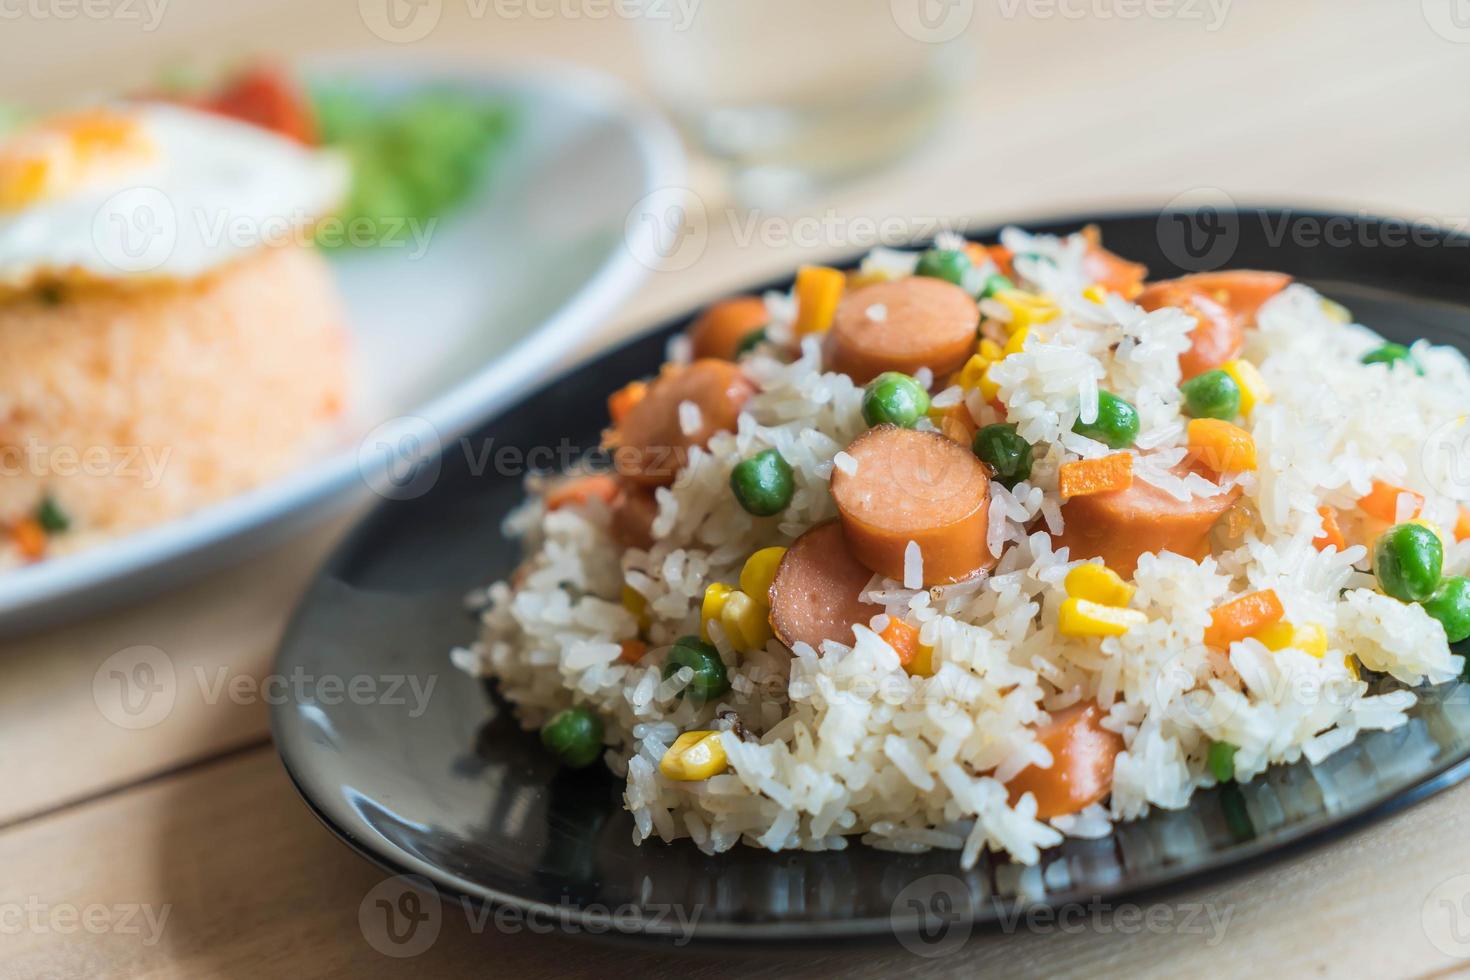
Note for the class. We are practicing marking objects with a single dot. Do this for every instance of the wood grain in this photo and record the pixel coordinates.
(1353, 105)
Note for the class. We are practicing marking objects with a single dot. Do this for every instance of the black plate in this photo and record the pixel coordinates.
(458, 795)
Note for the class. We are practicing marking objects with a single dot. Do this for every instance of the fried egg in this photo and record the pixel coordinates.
(153, 191)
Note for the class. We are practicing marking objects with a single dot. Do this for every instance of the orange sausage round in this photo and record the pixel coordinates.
(814, 596)
(923, 322)
(651, 446)
(720, 329)
(1112, 272)
(915, 486)
(1121, 525)
(633, 511)
(1225, 305)
(1082, 754)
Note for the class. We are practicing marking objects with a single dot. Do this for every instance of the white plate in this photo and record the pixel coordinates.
(506, 289)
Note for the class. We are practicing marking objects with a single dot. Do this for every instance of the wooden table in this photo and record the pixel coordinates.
(1343, 103)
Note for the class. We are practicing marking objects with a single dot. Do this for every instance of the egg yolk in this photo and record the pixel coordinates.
(70, 153)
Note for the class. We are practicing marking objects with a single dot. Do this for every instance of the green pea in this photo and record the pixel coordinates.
(574, 736)
(763, 484)
(1392, 354)
(1005, 452)
(710, 679)
(1212, 395)
(750, 342)
(1221, 761)
(1407, 560)
(896, 399)
(1450, 604)
(995, 283)
(51, 517)
(949, 264)
(1116, 425)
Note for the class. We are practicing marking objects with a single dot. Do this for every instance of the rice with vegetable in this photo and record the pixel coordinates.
(985, 546)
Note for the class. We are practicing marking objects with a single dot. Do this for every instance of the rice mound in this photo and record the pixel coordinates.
(130, 405)
(826, 744)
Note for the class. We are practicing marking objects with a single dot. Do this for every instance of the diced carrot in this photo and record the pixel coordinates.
(621, 402)
(1382, 502)
(999, 254)
(1085, 476)
(955, 422)
(267, 97)
(1331, 536)
(1462, 524)
(30, 538)
(1243, 617)
(580, 489)
(1114, 273)
(903, 638)
(632, 651)
(818, 288)
(1222, 446)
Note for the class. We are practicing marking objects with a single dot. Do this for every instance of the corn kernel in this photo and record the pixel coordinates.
(712, 606)
(1351, 663)
(973, 372)
(744, 622)
(1081, 617)
(1027, 309)
(1336, 312)
(1095, 293)
(1309, 639)
(1098, 583)
(818, 290)
(759, 572)
(922, 663)
(1016, 341)
(989, 390)
(694, 756)
(990, 350)
(635, 602)
(1253, 389)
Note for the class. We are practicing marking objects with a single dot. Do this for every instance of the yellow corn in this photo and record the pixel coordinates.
(989, 390)
(1099, 584)
(973, 371)
(1095, 293)
(1081, 617)
(694, 756)
(759, 572)
(990, 350)
(1310, 639)
(744, 622)
(713, 605)
(1016, 341)
(1253, 390)
(922, 663)
(1336, 312)
(1351, 663)
(635, 603)
(818, 288)
(1027, 309)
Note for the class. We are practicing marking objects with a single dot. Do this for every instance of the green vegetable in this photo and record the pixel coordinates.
(763, 484)
(1450, 604)
(949, 264)
(1392, 354)
(1221, 761)
(574, 736)
(710, 680)
(896, 399)
(995, 283)
(1116, 425)
(750, 342)
(51, 517)
(1212, 395)
(1005, 452)
(1408, 559)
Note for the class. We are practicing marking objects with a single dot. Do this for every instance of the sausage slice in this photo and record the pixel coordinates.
(1224, 304)
(902, 325)
(1120, 526)
(633, 511)
(814, 596)
(720, 329)
(915, 486)
(651, 444)
(1112, 272)
(1081, 773)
